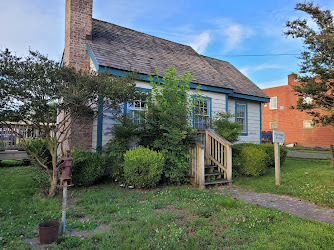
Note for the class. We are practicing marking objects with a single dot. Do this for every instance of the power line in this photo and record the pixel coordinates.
(257, 55)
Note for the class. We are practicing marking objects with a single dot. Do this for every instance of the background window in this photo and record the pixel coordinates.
(201, 113)
(272, 125)
(307, 99)
(307, 124)
(241, 115)
(273, 103)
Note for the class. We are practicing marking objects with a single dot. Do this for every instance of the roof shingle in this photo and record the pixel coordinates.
(125, 49)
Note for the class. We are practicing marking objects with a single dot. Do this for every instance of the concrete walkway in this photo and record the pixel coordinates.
(283, 203)
(308, 155)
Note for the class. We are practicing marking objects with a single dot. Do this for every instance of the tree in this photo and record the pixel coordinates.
(230, 130)
(167, 125)
(33, 90)
(317, 62)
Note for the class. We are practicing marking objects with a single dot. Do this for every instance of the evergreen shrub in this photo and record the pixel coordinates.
(143, 167)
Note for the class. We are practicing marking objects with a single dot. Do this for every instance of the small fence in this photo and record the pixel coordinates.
(11, 139)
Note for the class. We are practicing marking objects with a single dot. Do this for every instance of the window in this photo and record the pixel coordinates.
(307, 124)
(241, 116)
(307, 99)
(273, 103)
(134, 110)
(272, 125)
(202, 111)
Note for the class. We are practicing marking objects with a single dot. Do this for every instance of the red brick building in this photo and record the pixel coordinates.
(297, 125)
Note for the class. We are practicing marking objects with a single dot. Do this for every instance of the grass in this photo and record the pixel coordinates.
(313, 151)
(168, 218)
(310, 180)
(8, 163)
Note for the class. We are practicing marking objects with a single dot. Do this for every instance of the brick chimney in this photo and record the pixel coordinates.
(78, 30)
(291, 79)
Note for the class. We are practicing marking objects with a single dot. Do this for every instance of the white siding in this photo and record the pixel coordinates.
(253, 120)
(218, 104)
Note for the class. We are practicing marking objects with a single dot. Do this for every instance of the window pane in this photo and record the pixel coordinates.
(241, 115)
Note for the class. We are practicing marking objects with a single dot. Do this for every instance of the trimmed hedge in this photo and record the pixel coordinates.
(87, 168)
(253, 161)
(143, 167)
(243, 162)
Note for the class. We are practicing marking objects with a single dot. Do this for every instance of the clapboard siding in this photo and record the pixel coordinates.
(218, 105)
(253, 112)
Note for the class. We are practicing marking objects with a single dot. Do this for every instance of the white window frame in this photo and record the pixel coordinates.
(134, 110)
(242, 119)
(273, 102)
(307, 124)
(273, 125)
(202, 113)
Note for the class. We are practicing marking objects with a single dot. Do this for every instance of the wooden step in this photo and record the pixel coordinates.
(222, 181)
(210, 166)
(213, 174)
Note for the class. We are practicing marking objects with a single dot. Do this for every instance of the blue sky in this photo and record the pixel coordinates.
(219, 29)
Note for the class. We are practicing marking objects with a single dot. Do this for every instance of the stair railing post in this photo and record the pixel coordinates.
(200, 166)
(229, 162)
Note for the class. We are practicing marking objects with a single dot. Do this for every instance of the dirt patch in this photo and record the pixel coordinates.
(103, 228)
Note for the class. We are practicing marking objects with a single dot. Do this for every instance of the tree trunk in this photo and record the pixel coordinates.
(53, 185)
(54, 177)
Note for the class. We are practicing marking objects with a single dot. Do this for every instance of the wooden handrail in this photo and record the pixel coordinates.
(218, 152)
(212, 150)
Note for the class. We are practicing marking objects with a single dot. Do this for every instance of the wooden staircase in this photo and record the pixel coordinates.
(211, 161)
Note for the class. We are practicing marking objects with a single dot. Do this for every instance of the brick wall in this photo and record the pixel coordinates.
(78, 30)
(291, 120)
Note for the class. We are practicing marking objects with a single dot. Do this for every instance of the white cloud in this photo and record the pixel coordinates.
(274, 83)
(244, 70)
(38, 25)
(251, 69)
(201, 42)
(234, 35)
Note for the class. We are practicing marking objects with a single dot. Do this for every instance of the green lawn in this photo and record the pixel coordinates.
(310, 180)
(169, 218)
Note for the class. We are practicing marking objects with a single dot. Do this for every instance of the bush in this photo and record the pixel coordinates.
(253, 161)
(87, 168)
(143, 167)
(167, 128)
(114, 151)
(124, 134)
(38, 173)
(230, 130)
(269, 149)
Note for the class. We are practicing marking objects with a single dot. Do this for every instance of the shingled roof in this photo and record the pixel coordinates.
(125, 49)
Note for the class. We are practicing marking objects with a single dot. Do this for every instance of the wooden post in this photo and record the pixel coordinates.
(229, 162)
(332, 154)
(277, 164)
(200, 166)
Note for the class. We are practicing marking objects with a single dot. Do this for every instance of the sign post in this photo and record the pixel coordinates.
(278, 137)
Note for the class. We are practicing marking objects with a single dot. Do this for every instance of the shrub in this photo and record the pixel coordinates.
(230, 130)
(167, 128)
(124, 134)
(143, 167)
(87, 168)
(253, 161)
(269, 149)
(38, 173)
(114, 151)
